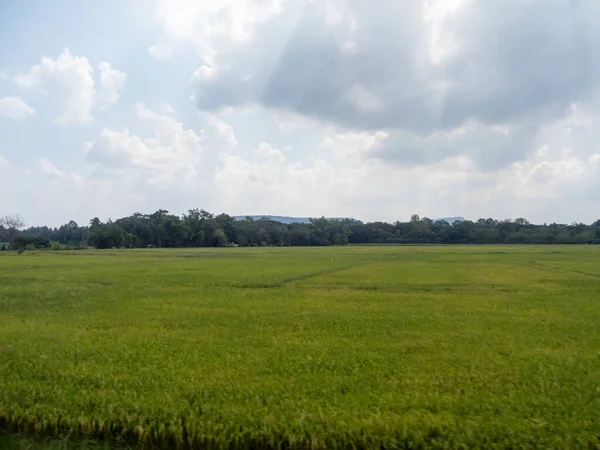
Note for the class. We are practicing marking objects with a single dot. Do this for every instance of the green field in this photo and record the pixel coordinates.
(353, 347)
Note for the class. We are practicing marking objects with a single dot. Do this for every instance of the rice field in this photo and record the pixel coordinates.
(336, 347)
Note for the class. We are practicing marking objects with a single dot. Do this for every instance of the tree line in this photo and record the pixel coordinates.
(199, 228)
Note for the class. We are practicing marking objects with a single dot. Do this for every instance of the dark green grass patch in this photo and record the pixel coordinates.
(370, 347)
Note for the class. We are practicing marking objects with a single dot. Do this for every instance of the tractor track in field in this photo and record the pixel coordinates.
(561, 270)
(307, 275)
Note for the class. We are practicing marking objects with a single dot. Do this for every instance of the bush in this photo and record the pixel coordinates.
(30, 243)
(55, 245)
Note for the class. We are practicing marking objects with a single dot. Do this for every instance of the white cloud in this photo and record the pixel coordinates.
(48, 195)
(164, 126)
(46, 168)
(15, 108)
(167, 109)
(169, 168)
(372, 189)
(442, 42)
(69, 80)
(4, 163)
(204, 72)
(288, 121)
(274, 185)
(223, 129)
(269, 153)
(369, 190)
(208, 25)
(112, 82)
(170, 156)
(546, 176)
(348, 144)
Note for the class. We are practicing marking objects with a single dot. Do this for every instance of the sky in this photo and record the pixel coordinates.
(339, 108)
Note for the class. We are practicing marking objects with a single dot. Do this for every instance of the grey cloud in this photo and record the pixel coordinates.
(488, 146)
(517, 62)
(298, 64)
(519, 57)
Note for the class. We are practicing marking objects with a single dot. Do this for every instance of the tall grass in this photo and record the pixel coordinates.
(370, 347)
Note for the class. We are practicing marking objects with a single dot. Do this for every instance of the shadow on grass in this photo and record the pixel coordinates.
(10, 441)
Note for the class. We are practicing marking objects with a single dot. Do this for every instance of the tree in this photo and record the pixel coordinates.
(12, 225)
(106, 235)
(200, 228)
(219, 238)
(227, 224)
(69, 234)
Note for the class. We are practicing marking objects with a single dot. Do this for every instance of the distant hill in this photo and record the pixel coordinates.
(450, 219)
(284, 219)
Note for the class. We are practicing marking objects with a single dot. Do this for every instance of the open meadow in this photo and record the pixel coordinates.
(335, 347)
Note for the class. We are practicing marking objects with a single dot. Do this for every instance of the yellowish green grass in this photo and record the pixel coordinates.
(395, 347)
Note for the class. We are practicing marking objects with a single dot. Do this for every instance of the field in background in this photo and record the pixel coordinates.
(324, 347)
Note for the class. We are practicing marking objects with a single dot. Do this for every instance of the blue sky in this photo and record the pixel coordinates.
(300, 107)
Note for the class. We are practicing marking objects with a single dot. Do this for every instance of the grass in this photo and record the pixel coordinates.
(350, 347)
